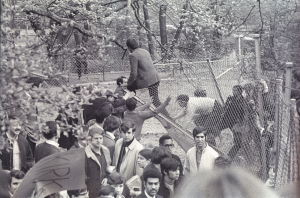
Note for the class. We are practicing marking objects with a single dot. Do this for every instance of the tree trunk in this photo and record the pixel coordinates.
(163, 29)
(86, 25)
(147, 24)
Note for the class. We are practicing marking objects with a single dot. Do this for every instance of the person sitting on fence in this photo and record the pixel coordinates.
(143, 73)
(141, 113)
(122, 83)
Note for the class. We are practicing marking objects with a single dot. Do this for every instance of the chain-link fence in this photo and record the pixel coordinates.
(237, 110)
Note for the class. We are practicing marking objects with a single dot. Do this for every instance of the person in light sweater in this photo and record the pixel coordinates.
(200, 157)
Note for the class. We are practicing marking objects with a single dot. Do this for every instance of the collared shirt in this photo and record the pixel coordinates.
(16, 152)
(148, 196)
(52, 143)
(199, 154)
(110, 134)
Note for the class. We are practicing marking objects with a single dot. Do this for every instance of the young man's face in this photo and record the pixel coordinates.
(14, 127)
(173, 174)
(200, 140)
(128, 136)
(142, 162)
(14, 184)
(124, 82)
(118, 188)
(152, 186)
(168, 143)
(96, 140)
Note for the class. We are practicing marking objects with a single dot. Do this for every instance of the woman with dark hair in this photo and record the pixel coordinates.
(51, 132)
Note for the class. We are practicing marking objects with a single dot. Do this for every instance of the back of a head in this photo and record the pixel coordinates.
(222, 162)
(115, 178)
(132, 43)
(52, 130)
(183, 97)
(131, 104)
(225, 183)
(200, 93)
(111, 123)
(159, 153)
(17, 174)
(103, 112)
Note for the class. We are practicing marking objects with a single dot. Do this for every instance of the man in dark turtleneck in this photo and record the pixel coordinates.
(126, 151)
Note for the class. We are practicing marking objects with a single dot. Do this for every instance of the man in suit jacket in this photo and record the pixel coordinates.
(142, 74)
(152, 179)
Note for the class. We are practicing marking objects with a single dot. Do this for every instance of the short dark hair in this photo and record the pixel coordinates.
(238, 87)
(17, 174)
(159, 153)
(12, 117)
(52, 132)
(200, 93)
(146, 153)
(111, 123)
(106, 190)
(199, 129)
(164, 137)
(115, 178)
(132, 43)
(126, 125)
(169, 164)
(120, 80)
(131, 104)
(183, 97)
(151, 173)
(222, 161)
(103, 112)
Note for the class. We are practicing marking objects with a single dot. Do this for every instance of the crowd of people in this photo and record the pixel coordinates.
(108, 127)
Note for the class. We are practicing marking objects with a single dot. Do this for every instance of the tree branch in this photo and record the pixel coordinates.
(75, 25)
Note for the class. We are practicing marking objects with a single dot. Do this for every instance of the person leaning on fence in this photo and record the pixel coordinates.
(142, 73)
(141, 113)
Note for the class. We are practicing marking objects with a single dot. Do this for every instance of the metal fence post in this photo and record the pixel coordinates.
(260, 103)
(288, 80)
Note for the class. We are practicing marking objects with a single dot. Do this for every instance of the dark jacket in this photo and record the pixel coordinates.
(180, 166)
(95, 171)
(234, 109)
(110, 143)
(25, 155)
(43, 150)
(66, 141)
(143, 195)
(164, 190)
(142, 70)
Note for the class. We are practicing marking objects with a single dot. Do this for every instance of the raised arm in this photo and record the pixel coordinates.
(163, 105)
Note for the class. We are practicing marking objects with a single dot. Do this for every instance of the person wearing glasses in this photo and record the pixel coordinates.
(167, 141)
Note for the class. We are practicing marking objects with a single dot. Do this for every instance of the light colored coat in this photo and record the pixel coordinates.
(129, 165)
(142, 69)
(206, 163)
